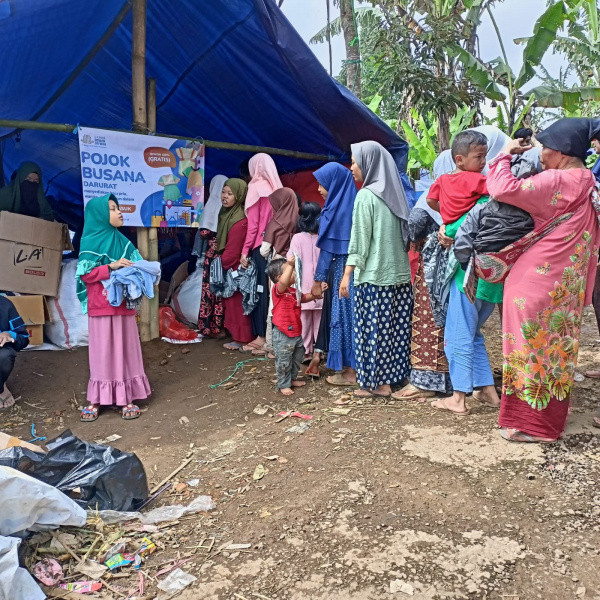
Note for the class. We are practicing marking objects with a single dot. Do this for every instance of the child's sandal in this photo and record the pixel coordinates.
(89, 414)
(131, 411)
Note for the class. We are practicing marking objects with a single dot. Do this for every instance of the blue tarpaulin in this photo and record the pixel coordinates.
(232, 71)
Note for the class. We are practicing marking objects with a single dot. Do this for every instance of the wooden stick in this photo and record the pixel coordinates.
(172, 474)
(138, 66)
(66, 127)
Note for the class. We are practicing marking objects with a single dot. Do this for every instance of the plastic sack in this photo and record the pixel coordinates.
(187, 297)
(175, 581)
(27, 504)
(15, 582)
(68, 326)
(158, 515)
(95, 476)
(171, 328)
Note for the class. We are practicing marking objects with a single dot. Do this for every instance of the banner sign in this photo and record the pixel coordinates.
(158, 181)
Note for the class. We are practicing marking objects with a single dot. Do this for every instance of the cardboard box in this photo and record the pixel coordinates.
(34, 312)
(31, 254)
(9, 441)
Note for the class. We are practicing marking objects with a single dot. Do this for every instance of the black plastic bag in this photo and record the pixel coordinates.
(92, 475)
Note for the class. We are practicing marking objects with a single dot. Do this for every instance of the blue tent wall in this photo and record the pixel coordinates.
(233, 71)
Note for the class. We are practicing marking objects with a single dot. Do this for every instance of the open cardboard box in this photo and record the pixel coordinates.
(31, 254)
(34, 312)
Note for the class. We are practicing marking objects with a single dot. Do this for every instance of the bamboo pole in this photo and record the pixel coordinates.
(40, 125)
(140, 124)
(152, 232)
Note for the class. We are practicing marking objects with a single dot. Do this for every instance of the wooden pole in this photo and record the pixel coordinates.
(140, 124)
(152, 232)
(17, 124)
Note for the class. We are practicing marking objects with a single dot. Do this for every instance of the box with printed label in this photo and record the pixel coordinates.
(34, 312)
(31, 254)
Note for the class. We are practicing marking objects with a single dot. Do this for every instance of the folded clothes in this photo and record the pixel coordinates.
(131, 283)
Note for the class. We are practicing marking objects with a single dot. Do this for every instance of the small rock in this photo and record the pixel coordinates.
(397, 585)
(580, 591)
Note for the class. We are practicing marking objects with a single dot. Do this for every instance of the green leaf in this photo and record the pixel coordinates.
(530, 328)
(569, 99)
(374, 103)
(537, 394)
(477, 73)
(523, 114)
(544, 34)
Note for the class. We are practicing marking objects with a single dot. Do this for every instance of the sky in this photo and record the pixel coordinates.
(515, 18)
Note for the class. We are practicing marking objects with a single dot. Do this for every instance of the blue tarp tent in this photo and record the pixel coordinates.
(233, 71)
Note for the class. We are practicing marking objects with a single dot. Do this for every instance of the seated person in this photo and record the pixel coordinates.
(13, 337)
(25, 195)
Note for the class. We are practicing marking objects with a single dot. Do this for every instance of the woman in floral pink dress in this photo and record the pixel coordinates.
(547, 287)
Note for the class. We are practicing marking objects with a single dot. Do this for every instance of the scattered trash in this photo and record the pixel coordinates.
(101, 477)
(29, 504)
(193, 482)
(175, 581)
(300, 428)
(9, 441)
(238, 547)
(48, 571)
(82, 587)
(119, 560)
(397, 585)
(91, 569)
(180, 487)
(111, 438)
(274, 457)
(35, 437)
(259, 472)
(339, 411)
(183, 420)
(295, 414)
(261, 409)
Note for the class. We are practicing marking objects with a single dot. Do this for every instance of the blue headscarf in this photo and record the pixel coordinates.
(335, 222)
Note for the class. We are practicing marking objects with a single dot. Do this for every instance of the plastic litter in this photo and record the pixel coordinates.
(29, 504)
(171, 328)
(93, 475)
(300, 428)
(119, 560)
(157, 515)
(15, 582)
(48, 571)
(82, 587)
(296, 414)
(175, 581)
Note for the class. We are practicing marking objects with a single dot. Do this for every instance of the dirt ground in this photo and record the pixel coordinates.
(389, 500)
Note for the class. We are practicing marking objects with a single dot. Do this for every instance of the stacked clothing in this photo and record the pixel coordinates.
(131, 283)
(228, 283)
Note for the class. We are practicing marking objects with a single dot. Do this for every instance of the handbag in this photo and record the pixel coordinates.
(494, 267)
(156, 219)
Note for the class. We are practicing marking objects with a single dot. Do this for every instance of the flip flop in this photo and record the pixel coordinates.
(524, 438)
(593, 374)
(89, 410)
(130, 412)
(338, 379)
(369, 394)
(415, 393)
(250, 347)
(444, 408)
(232, 346)
(316, 375)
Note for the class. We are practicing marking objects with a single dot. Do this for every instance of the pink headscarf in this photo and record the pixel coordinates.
(265, 179)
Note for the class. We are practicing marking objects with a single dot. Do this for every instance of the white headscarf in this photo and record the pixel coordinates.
(209, 219)
(380, 176)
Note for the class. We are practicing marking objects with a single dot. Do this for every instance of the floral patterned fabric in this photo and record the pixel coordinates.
(544, 296)
(210, 318)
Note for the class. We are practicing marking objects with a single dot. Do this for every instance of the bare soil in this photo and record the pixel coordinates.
(390, 500)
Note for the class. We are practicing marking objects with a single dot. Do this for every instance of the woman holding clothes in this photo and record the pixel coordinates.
(378, 258)
(337, 187)
(210, 318)
(550, 283)
(231, 235)
(265, 180)
(117, 376)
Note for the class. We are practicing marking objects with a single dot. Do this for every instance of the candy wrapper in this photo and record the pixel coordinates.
(119, 560)
(82, 587)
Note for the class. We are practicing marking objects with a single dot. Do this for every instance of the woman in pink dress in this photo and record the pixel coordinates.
(117, 376)
(265, 180)
(550, 283)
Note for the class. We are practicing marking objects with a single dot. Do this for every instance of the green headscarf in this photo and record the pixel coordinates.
(228, 217)
(10, 195)
(101, 243)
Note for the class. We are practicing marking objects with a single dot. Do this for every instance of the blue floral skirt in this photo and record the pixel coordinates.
(341, 339)
(382, 330)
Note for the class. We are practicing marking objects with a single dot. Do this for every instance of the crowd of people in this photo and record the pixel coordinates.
(502, 221)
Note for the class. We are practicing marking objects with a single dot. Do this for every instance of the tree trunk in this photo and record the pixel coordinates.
(443, 132)
(352, 46)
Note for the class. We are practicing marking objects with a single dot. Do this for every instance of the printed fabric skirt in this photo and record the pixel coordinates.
(382, 331)
(341, 341)
(117, 375)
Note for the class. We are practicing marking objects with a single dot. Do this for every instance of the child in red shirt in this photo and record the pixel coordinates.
(287, 324)
(456, 193)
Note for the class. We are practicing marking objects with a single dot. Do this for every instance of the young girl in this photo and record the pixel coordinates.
(117, 374)
(304, 244)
